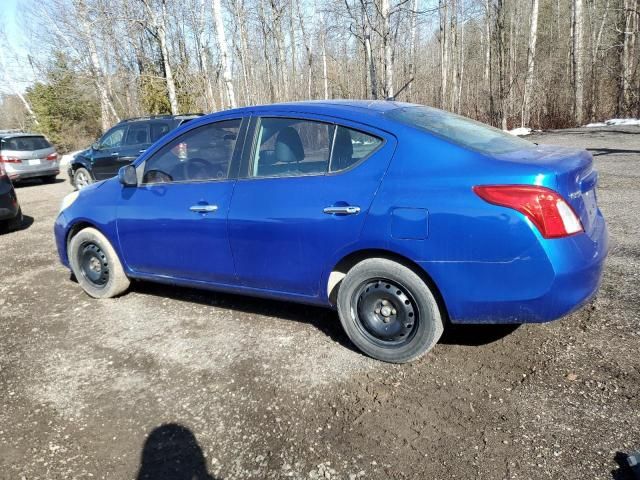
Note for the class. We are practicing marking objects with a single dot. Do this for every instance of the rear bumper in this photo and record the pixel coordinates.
(539, 286)
(17, 174)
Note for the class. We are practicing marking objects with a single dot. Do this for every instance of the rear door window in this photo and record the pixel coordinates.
(25, 144)
(350, 147)
(158, 129)
(292, 147)
(137, 134)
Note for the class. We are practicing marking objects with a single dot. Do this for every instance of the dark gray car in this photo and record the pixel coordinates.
(28, 155)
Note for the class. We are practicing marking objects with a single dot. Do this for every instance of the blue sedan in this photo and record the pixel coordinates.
(400, 216)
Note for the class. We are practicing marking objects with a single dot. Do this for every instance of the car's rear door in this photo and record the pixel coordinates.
(303, 195)
(174, 224)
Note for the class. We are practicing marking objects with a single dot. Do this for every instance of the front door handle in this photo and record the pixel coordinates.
(347, 210)
(203, 208)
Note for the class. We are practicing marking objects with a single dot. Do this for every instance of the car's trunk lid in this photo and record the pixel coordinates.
(576, 180)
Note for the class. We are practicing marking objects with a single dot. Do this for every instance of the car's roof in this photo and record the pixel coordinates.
(366, 107)
(4, 135)
(183, 116)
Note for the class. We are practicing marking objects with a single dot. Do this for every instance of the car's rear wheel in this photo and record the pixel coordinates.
(81, 178)
(96, 265)
(388, 311)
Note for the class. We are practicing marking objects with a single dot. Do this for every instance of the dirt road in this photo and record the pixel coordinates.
(176, 383)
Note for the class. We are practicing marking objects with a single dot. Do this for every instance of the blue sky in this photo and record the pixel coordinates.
(10, 18)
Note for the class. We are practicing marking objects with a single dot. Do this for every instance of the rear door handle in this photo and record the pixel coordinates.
(347, 210)
(203, 208)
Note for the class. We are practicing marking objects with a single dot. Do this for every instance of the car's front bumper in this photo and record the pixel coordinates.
(542, 285)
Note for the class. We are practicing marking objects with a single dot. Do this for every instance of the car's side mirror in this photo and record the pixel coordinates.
(95, 146)
(128, 176)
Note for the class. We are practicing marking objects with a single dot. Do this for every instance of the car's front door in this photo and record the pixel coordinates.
(174, 224)
(304, 197)
(106, 154)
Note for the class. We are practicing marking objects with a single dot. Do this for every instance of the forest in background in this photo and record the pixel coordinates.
(510, 63)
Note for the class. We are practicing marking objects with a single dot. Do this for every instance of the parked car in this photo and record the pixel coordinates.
(28, 155)
(402, 217)
(120, 146)
(10, 212)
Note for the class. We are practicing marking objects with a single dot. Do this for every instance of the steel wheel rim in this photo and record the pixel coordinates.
(385, 312)
(94, 264)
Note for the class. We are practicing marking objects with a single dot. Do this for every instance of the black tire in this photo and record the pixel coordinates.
(388, 311)
(96, 265)
(81, 178)
(49, 179)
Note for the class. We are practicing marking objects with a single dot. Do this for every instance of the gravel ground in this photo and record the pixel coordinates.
(177, 383)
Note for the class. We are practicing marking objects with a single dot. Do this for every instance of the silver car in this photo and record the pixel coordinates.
(28, 155)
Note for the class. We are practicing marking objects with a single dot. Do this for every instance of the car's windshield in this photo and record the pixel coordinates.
(25, 144)
(460, 130)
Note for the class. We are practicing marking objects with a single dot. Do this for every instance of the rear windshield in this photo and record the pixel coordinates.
(25, 144)
(461, 130)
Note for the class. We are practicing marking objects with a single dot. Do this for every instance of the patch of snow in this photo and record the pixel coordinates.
(520, 131)
(66, 158)
(615, 121)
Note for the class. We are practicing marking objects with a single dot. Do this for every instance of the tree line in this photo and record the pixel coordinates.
(536, 63)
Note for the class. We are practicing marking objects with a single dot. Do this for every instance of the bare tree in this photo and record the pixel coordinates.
(531, 55)
(578, 69)
(224, 54)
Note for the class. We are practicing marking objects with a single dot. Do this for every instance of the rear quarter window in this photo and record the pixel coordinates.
(460, 130)
(25, 144)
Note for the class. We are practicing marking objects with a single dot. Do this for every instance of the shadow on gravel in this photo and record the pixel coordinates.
(596, 152)
(27, 221)
(171, 452)
(324, 319)
(35, 182)
(476, 335)
(625, 471)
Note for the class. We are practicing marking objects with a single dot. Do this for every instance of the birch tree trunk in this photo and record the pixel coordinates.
(324, 68)
(412, 48)
(372, 67)
(628, 54)
(107, 110)
(385, 12)
(444, 53)
(204, 61)
(531, 54)
(162, 39)
(224, 54)
(578, 84)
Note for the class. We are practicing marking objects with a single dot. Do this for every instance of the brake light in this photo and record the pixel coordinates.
(6, 159)
(546, 209)
(52, 157)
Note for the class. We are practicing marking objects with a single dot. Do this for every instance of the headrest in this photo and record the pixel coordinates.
(288, 146)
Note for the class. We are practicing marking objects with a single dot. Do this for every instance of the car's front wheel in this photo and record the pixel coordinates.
(96, 265)
(81, 178)
(388, 311)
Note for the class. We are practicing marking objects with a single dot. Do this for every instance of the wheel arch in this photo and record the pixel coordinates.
(340, 269)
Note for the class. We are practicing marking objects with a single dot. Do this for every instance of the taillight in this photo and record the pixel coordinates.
(52, 157)
(6, 159)
(546, 209)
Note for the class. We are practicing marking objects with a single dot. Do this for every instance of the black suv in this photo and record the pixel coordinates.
(120, 146)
